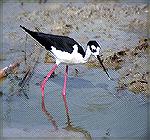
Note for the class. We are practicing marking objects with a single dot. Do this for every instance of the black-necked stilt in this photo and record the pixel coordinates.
(65, 50)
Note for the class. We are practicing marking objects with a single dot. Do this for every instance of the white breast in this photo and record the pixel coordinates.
(65, 57)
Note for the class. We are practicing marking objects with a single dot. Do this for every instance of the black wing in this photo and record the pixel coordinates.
(62, 43)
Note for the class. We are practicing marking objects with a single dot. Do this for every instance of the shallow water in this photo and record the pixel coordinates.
(96, 109)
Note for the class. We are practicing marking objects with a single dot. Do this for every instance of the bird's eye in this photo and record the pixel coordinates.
(93, 50)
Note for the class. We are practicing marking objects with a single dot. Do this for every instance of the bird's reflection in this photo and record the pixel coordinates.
(48, 115)
(70, 126)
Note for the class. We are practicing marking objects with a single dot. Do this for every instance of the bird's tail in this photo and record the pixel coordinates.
(27, 30)
(37, 36)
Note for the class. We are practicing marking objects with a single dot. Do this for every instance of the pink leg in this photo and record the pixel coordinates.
(65, 81)
(45, 80)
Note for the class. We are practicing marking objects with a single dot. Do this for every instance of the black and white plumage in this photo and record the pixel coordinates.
(66, 50)
(63, 48)
(57, 44)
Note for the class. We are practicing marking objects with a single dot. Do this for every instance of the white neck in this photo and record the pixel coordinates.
(87, 54)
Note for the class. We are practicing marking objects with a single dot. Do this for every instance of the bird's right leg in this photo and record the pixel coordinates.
(65, 81)
(45, 80)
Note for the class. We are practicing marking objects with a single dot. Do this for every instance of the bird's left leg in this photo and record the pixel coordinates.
(45, 80)
(65, 81)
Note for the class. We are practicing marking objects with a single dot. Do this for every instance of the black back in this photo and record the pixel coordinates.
(62, 43)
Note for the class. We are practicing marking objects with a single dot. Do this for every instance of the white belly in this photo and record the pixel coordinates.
(65, 57)
(74, 58)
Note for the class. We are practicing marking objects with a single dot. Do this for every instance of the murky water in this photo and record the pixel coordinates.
(95, 109)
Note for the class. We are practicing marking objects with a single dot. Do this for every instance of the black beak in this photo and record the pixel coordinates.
(100, 61)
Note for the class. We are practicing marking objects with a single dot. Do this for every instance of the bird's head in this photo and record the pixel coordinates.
(94, 47)
(95, 50)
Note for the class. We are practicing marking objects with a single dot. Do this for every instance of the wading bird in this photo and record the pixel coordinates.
(65, 50)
